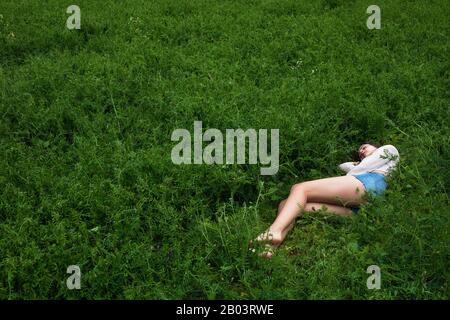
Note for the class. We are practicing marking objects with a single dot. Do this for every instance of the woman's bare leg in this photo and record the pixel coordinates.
(313, 207)
(265, 235)
(331, 208)
(341, 191)
(310, 207)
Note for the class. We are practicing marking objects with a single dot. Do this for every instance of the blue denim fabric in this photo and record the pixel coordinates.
(374, 183)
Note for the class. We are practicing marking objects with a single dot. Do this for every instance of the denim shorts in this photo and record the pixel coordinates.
(374, 183)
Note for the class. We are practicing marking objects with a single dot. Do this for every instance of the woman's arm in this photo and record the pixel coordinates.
(347, 166)
(379, 158)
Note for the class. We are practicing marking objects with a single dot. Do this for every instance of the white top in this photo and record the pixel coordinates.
(383, 160)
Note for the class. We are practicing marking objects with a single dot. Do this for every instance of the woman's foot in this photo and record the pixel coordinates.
(270, 237)
(272, 240)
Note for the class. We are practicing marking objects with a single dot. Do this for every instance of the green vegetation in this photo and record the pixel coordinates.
(86, 176)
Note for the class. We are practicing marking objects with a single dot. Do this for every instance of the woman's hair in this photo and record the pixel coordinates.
(376, 145)
(356, 157)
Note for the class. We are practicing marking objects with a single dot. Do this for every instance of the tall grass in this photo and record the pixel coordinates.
(86, 176)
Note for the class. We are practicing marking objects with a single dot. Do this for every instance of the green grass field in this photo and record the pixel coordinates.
(86, 176)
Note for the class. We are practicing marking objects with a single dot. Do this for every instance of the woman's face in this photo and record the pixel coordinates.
(366, 150)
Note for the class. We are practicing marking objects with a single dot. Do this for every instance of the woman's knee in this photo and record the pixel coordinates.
(298, 188)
